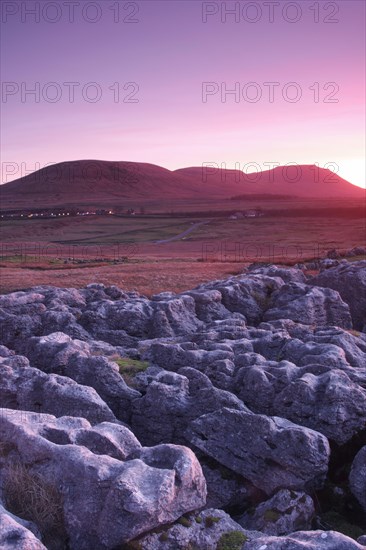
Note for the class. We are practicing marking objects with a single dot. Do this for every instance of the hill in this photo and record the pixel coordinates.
(94, 182)
(302, 181)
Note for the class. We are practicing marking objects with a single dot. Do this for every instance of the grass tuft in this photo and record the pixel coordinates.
(184, 521)
(198, 519)
(271, 515)
(211, 520)
(128, 368)
(232, 541)
(30, 497)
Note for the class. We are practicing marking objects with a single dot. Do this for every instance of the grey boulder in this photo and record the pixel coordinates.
(309, 540)
(349, 279)
(206, 530)
(15, 533)
(327, 401)
(271, 452)
(106, 501)
(309, 305)
(172, 401)
(287, 274)
(57, 353)
(357, 477)
(29, 389)
(286, 512)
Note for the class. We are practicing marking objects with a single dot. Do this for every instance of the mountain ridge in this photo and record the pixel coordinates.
(96, 180)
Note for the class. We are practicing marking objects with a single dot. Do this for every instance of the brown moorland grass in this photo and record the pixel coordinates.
(30, 497)
(148, 278)
(123, 250)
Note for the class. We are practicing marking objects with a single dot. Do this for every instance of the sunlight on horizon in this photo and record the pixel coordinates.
(354, 171)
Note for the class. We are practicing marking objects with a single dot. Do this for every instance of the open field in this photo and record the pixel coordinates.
(125, 250)
(148, 278)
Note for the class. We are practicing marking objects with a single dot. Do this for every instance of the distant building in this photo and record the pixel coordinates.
(255, 213)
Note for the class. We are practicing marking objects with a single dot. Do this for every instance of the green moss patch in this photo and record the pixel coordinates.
(198, 519)
(232, 541)
(184, 521)
(128, 368)
(271, 515)
(211, 520)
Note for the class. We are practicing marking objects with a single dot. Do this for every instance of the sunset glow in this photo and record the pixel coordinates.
(183, 275)
(175, 90)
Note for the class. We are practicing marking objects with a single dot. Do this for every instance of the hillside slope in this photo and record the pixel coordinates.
(108, 182)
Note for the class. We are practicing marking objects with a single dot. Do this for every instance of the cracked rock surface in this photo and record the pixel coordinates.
(224, 415)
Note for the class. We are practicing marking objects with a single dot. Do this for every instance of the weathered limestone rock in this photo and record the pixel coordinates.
(286, 512)
(349, 279)
(272, 453)
(106, 501)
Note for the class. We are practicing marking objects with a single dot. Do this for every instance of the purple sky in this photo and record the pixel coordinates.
(169, 53)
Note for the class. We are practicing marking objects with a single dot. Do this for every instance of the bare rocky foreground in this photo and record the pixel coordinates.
(229, 417)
